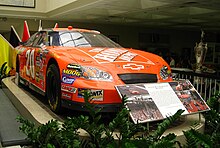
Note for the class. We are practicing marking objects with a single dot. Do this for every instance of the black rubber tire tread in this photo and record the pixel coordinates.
(53, 85)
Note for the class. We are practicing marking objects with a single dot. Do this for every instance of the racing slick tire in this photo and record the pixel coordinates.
(53, 88)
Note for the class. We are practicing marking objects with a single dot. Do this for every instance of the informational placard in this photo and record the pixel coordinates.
(155, 101)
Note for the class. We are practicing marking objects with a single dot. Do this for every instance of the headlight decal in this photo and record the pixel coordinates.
(93, 73)
(87, 72)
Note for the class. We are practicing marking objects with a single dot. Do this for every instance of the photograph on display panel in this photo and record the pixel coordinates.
(188, 95)
(140, 103)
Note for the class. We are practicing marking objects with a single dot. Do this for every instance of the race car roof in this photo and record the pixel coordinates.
(70, 28)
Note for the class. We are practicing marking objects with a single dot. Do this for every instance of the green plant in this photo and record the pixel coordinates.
(211, 137)
(156, 140)
(3, 73)
(127, 134)
(126, 130)
(52, 134)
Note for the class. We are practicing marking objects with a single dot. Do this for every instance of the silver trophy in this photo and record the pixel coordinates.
(200, 53)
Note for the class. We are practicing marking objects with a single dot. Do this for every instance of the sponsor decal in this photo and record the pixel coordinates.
(67, 96)
(96, 95)
(71, 72)
(67, 79)
(113, 54)
(37, 58)
(37, 79)
(37, 69)
(73, 66)
(96, 50)
(128, 56)
(45, 52)
(41, 75)
(110, 54)
(38, 63)
(133, 66)
(68, 88)
(41, 56)
(42, 84)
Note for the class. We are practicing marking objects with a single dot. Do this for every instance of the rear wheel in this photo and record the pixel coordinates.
(53, 88)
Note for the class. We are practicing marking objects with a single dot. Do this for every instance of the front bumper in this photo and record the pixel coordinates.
(82, 107)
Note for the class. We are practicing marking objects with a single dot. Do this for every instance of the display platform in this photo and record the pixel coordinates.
(31, 110)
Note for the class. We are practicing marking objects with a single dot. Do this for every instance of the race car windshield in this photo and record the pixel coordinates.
(80, 39)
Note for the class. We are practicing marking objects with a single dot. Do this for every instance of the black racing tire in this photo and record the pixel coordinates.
(53, 88)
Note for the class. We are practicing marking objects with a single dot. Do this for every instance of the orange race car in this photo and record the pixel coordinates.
(61, 63)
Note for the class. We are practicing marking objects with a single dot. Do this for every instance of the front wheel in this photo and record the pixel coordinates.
(53, 90)
(17, 75)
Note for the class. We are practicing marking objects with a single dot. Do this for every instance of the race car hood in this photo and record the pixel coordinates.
(120, 59)
(110, 55)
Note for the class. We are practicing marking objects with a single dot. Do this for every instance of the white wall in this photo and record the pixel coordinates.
(54, 4)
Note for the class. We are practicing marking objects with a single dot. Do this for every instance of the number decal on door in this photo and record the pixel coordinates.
(30, 63)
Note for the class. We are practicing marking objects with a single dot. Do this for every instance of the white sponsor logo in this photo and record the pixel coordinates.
(30, 63)
(110, 54)
(133, 66)
(96, 50)
(128, 56)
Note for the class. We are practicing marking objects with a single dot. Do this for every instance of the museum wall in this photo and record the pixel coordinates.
(148, 39)
(54, 4)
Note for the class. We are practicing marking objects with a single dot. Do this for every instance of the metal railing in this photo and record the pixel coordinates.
(206, 84)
